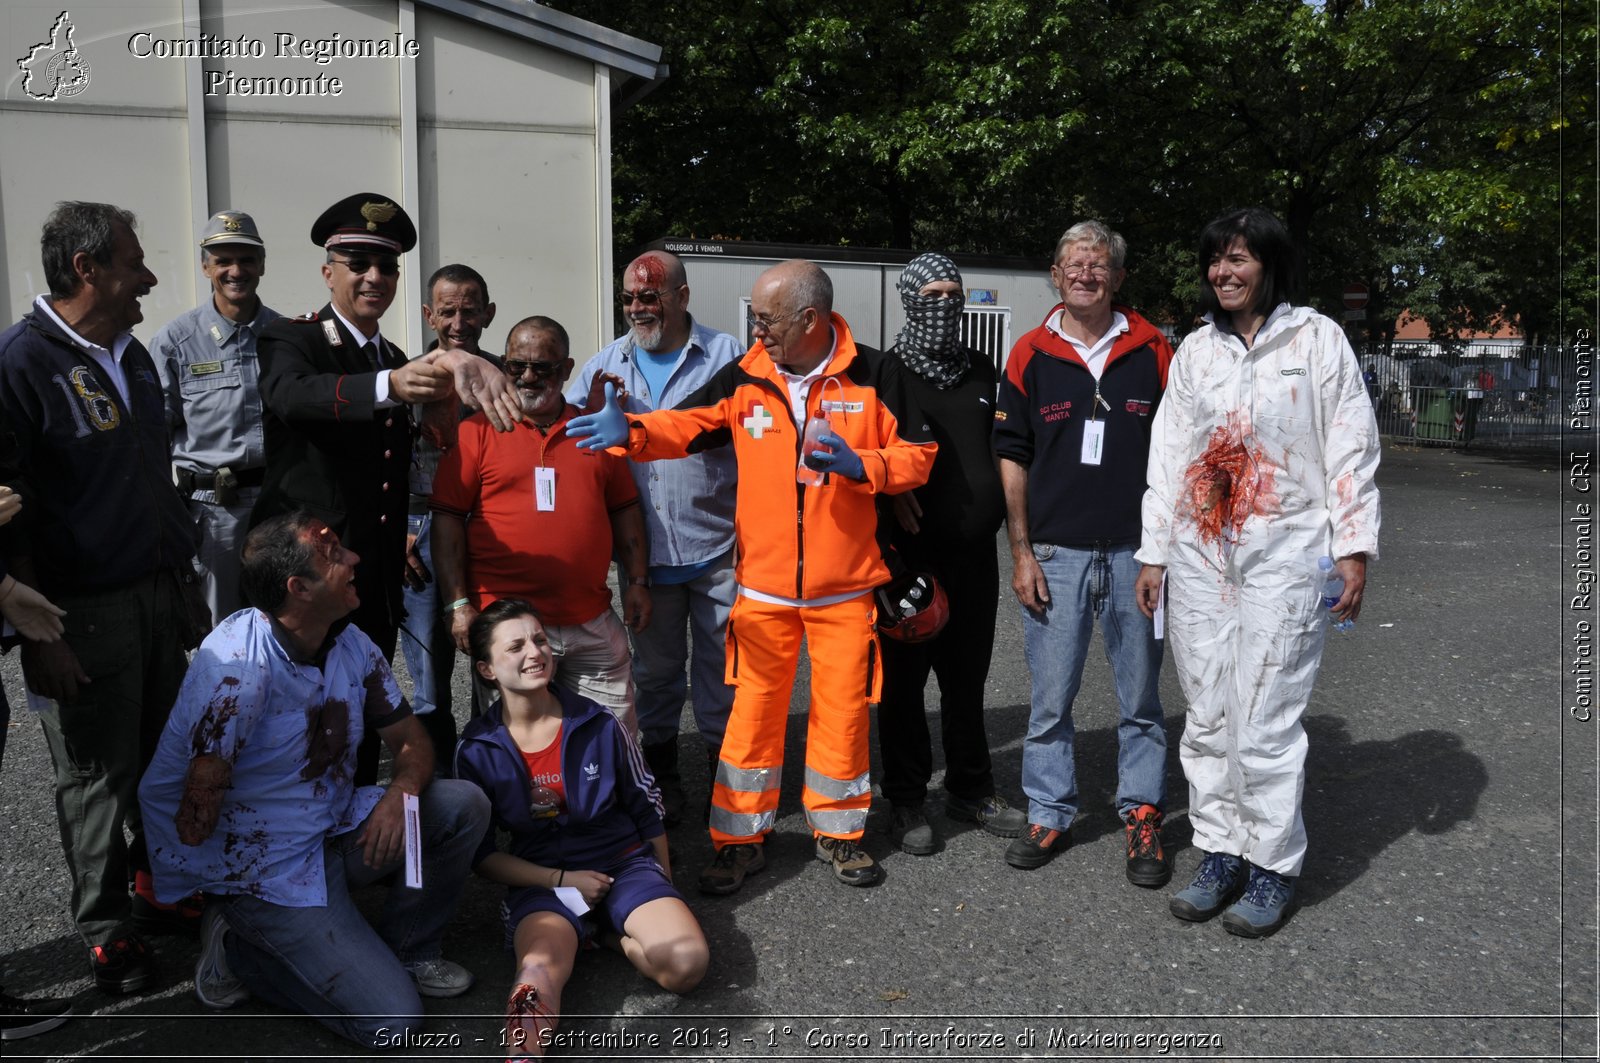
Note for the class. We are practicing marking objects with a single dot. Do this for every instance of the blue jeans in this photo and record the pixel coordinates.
(661, 651)
(329, 962)
(430, 654)
(1057, 642)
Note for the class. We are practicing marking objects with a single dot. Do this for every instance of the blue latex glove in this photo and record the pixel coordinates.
(842, 460)
(598, 431)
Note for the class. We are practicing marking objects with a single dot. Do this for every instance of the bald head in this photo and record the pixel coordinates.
(655, 302)
(805, 284)
(792, 304)
(656, 269)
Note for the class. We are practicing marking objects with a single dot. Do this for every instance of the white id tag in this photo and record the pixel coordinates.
(544, 490)
(1094, 442)
(1159, 621)
(413, 821)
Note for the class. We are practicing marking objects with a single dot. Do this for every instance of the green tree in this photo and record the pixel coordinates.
(1416, 146)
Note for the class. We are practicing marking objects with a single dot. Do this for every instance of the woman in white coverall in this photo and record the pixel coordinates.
(1262, 460)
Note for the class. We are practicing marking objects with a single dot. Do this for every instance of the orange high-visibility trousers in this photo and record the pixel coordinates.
(763, 644)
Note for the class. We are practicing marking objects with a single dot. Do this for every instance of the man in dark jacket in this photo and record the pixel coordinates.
(338, 422)
(1072, 431)
(337, 393)
(944, 529)
(106, 537)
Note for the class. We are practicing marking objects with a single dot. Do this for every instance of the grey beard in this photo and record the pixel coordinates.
(649, 340)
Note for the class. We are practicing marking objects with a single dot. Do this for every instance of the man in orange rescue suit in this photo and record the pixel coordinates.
(808, 559)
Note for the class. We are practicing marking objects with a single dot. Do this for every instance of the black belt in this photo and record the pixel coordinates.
(189, 482)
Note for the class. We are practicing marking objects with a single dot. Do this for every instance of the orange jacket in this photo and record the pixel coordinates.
(797, 541)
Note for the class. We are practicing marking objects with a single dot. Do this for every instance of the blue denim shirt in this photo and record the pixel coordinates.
(687, 502)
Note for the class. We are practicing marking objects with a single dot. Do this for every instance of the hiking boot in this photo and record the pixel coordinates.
(729, 867)
(123, 966)
(1264, 906)
(911, 831)
(21, 1018)
(1215, 884)
(215, 984)
(993, 813)
(439, 977)
(663, 760)
(1037, 848)
(851, 864)
(1147, 862)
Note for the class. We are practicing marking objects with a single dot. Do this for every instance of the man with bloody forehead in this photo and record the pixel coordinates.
(663, 358)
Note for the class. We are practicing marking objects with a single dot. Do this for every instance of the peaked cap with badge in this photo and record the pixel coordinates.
(332, 450)
(231, 227)
(365, 220)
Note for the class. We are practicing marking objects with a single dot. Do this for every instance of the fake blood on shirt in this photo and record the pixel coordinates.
(1228, 484)
(548, 793)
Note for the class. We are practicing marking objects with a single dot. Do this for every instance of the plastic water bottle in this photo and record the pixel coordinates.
(1332, 591)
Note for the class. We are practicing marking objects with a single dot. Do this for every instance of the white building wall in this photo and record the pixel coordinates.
(490, 140)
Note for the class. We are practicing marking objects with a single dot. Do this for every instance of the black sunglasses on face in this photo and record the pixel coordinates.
(540, 370)
(389, 267)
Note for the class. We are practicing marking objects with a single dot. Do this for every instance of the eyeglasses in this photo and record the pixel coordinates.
(540, 370)
(1097, 270)
(387, 266)
(944, 297)
(644, 297)
(765, 324)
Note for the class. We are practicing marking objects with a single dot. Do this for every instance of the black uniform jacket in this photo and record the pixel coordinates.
(334, 453)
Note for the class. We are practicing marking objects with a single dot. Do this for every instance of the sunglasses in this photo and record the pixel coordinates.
(540, 370)
(644, 297)
(389, 267)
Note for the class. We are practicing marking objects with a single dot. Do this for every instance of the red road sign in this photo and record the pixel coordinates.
(1355, 295)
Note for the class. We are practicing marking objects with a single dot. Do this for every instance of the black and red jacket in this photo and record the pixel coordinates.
(1047, 394)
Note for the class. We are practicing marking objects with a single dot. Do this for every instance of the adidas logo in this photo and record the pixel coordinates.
(591, 771)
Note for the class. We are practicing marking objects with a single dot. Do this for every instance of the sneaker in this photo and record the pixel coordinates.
(729, 867)
(993, 813)
(21, 1018)
(1264, 906)
(150, 916)
(1037, 848)
(123, 966)
(851, 864)
(439, 977)
(1215, 884)
(911, 831)
(1147, 862)
(215, 985)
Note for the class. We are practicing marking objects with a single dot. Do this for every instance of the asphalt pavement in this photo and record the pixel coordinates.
(1447, 909)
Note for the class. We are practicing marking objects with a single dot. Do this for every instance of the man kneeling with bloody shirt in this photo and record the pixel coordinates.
(250, 798)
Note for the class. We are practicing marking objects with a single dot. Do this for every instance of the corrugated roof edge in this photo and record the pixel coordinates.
(568, 33)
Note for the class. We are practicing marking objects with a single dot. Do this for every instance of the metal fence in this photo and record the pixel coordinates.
(1471, 396)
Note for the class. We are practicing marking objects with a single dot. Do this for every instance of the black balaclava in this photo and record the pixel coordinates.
(930, 342)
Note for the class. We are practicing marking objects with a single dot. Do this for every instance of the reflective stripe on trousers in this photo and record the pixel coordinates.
(764, 643)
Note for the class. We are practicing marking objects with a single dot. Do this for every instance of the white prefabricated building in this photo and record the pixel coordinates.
(488, 120)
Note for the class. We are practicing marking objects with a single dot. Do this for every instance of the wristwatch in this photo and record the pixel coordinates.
(638, 581)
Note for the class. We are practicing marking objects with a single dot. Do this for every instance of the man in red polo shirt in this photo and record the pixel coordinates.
(545, 519)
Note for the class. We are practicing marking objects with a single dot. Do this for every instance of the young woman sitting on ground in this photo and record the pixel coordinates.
(572, 790)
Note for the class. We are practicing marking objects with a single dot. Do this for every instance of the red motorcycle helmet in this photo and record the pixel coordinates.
(913, 608)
